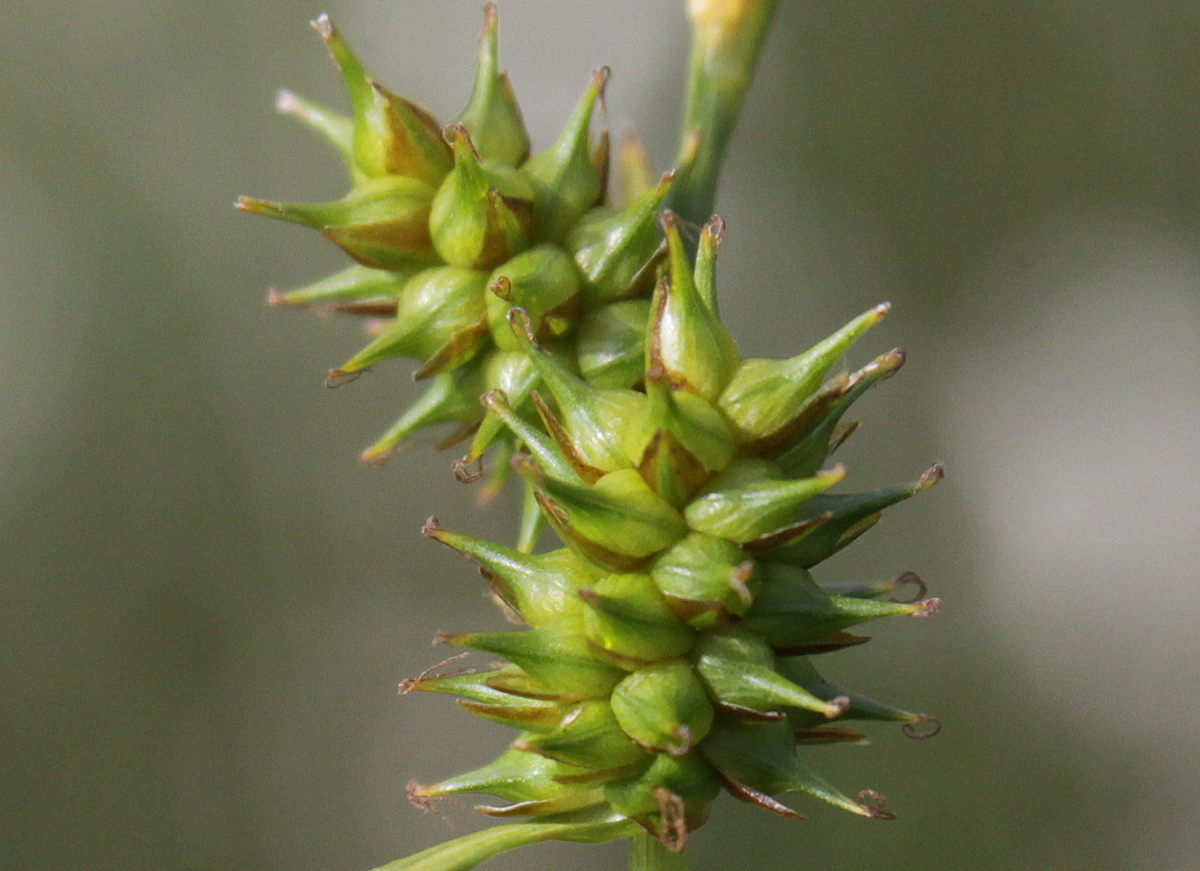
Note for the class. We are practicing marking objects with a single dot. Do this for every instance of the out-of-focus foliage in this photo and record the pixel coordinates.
(208, 604)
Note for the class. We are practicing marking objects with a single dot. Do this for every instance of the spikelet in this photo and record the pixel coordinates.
(451, 226)
(671, 641)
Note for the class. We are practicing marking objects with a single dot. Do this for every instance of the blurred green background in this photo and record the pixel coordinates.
(207, 603)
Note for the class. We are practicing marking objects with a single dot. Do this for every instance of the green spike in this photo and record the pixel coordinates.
(480, 216)
(850, 516)
(743, 511)
(609, 344)
(592, 419)
(438, 309)
(762, 756)
(791, 610)
(808, 454)
(492, 115)
(663, 707)
(336, 128)
(544, 283)
(687, 339)
(555, 656)
(618, 522)
(739, 670)
(351, 284)
(450, 398)
(706, 580)
(617, 251)
(565, 182)
(514, 680)
(764, 396)
(384, 222)
(531, 715)
(628, 619)
(540, 587)
(466, 683)
(569, 802)
(589, 737)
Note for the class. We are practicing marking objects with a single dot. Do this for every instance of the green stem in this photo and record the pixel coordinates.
(646, 853)
(727, 38)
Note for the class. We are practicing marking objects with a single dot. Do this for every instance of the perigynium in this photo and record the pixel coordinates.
(669, 647)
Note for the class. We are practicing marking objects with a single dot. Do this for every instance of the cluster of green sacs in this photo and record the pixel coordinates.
(669, 643)
(451, 227)
(669, 647)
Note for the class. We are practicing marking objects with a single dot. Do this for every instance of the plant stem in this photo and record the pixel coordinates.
(646, 853)
(727, 38)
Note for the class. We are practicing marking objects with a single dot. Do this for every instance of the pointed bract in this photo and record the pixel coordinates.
(743, 511)
(618, 522)
(353, 284)
(439, 316)
(336, 128)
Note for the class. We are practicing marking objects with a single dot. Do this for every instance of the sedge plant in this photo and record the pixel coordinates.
(569, 333)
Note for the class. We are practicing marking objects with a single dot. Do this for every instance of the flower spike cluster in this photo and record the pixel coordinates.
(670, 645)
(450, 227)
